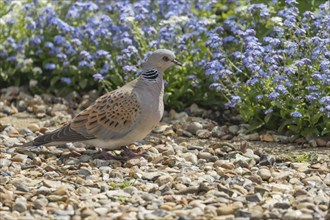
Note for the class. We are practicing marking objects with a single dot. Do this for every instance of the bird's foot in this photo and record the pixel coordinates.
(131, 154)
(108, 156)
(126, 154)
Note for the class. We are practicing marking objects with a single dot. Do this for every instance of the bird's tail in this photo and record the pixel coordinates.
(43, 139)
(61, 135)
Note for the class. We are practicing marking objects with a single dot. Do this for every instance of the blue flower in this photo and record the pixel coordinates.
(312, 88)
(273, 96)
(49, 45)
(86, 6)
(217, 86)
(289, 71)
(130, 50)
(325, 100)
(35, 41)
(129, 68)
(85, 63)
(98, 77)
(50, 66)
(281, 89)
(291, 48)
(61, 56)
(213, 66)
(66, 80)
(291, 2)
(296, 114)
(268, 111)
(258, 97)
(312, 97)
(255, 8)
(325, 65)
(127, 41)
(85, 55)
(76, 42)
(61, 25)
(106, 67)
(214, 41)
(300, 32)
(3, 54)
(11, 59)
(272, 41)
(234, 101)
(229, 39)
(59, 40)
(191, 77)
(102, 53)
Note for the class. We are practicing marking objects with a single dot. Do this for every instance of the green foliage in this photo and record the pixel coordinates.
(268, 59)
(122, 185)
(308, 157)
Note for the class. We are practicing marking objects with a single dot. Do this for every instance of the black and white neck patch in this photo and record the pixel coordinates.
(150, 75)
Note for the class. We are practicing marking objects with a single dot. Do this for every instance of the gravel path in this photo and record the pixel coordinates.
(194, 168)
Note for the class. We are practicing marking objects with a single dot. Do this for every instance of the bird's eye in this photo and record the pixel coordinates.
(166, 59)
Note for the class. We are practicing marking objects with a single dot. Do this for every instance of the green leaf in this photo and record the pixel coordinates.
(284, 124)
(294, 128)
(54, 80)
(254, 126)
(310, 132)
(83, 83)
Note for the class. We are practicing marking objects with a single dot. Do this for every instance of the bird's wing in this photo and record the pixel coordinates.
(112, 116)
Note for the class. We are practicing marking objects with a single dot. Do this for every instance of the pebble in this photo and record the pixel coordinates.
(19, 206)
(195, 110)
(266, 137)
(11, 131)
(254, 197)
(218, 132)
(164, 179)
(151, 176)
(194, 127)
(40, 203)
(251, 137)
(233, 129)
(264, 174)
(85, 171)
(56, 198)
(282, 205)
(313, 178)
(256, 212)
(195, 168)
(21, 158)
(227, 209)
(34, 127)
(204, 155)
(203, 133)
(266, 160)
(281, 139)
(292, 214)
(88, 213)
(190, 157)
(321, 142)
(101, 211)
(327, 179)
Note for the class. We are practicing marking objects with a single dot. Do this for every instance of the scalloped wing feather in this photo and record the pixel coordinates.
(112, 116)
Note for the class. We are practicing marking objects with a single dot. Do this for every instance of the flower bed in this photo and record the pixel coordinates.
(270, 61)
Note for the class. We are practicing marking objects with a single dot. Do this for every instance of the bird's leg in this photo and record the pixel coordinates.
(130, 153)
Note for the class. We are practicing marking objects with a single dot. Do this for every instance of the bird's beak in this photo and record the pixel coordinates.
(177, 62)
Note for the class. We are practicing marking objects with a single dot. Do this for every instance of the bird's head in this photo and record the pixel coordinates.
(161, 59)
